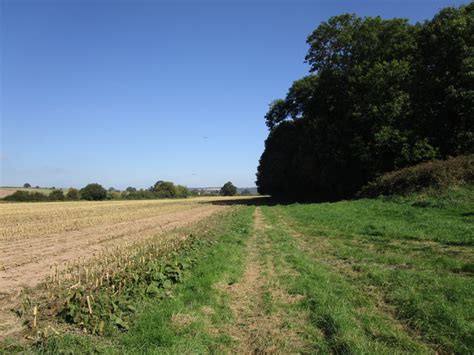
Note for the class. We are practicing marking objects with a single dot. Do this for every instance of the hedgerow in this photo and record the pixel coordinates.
(435, 174)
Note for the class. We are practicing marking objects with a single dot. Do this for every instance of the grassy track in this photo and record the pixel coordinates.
(368, 276)
(384, 276)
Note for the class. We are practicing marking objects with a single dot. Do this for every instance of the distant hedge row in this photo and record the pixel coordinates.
(55, 195)
(436, 174)
(96, 192)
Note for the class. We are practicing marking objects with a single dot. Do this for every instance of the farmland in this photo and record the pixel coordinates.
(35, 237)
(387, 275)
(145, 209)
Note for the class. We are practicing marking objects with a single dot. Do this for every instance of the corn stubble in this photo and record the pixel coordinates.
(24, 220)
(98, 294)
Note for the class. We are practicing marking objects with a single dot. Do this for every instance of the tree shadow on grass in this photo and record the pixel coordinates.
(256, 201)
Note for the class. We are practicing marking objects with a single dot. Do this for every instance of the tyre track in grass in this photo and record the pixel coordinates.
(257, 329)
(318, 249)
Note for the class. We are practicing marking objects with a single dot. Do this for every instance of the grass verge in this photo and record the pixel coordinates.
(387, 272)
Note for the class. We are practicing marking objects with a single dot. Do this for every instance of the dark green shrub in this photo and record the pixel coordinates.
(182, 191)
(93, 192)
(56, 195)
(73, 194)
(140, 195)
(228, 189)
(21, 196)
(114, 195)
(165, 189)
(25, 196)
(436, 174)
(162, 189)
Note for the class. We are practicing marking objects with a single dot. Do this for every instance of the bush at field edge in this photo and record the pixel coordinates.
(435, 174)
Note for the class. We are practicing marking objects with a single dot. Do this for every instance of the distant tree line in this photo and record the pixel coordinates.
(381, 95)
(161, 189)
(96, 192)
(55, 195)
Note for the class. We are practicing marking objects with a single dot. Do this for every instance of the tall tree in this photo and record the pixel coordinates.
(361, 111)
(444, 90)
(228, 189)
(93, 192)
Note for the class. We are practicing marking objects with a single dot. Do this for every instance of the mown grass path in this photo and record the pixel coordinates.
(263, 321)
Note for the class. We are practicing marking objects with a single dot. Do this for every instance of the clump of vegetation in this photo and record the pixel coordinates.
(436, 174)
(99, 296)
(161, 189)
(228, 189)
(93, 192)
(165, 189)
(73, 194)
(56, 195)
(114, 195)
(141, 194)
(381, 95)
(25, 196)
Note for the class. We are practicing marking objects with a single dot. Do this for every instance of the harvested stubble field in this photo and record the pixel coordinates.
(37, 237)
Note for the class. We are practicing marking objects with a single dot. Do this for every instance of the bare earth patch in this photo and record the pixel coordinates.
(181, 320)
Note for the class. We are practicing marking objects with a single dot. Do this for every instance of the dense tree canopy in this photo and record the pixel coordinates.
(56, 195)
(93, 192)
(167, 189)
(73, 194)
(381, 95)
(228, 189)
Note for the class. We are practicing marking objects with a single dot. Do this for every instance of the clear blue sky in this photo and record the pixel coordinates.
(130, 92)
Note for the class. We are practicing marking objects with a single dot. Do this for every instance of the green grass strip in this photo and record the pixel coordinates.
(186, 321)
